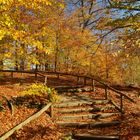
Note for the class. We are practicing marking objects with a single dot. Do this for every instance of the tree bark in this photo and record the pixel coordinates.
(1, 65)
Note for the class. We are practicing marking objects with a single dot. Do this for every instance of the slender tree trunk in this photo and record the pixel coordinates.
(56, 52)
(46, 66)
(67, 60)
(1, 65)
(16, 56)
(22, 64)
(23, 59)
(16, 65)
(1, 61)
(106, 61)
(36, 67)
(90, 66)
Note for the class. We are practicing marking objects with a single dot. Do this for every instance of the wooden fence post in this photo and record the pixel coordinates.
(58, 76)
(45, 82)
(35, 75)
(85, 81)
(121, 103)
(106, 92)
(93, 85)
(78, 78)
(51, 111)
(12, 75)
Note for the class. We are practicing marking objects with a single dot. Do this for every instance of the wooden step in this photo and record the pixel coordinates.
(106, 115)
(87, 124)
(68, 87)
(87, 136)
(75, 110)
(72, 89)
(95, 102)
(84, 109)
(102, 108)
(72, 104)
(79, 103)
(87, 116)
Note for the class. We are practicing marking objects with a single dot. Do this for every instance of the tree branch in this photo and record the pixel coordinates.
(102, 38)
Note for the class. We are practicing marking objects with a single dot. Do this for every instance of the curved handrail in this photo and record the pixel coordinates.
(92, 78)
(76, 75)
(115, 90)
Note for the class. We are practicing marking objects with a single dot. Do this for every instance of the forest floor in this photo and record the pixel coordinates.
(43, 128)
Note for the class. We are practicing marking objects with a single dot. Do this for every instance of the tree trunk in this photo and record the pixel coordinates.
(46, 66)
(1, 65)
(36, 67)
(16, 65)
(22, 65)
(56, 54)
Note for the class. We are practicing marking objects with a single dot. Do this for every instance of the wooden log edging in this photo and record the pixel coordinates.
(84, 136)
(87, 124)
(26, 121)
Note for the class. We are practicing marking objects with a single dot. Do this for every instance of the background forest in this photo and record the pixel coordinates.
(92, 37)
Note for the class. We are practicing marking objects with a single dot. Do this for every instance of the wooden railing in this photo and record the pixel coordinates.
(92, 79)
(107, 88)
(26, 121)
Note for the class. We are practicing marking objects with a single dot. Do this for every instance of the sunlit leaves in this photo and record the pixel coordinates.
(27, 23)
(2, 33)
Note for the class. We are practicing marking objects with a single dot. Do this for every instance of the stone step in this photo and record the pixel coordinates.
(87, 116)
(88, 124)
(87, 136)
(80, 103)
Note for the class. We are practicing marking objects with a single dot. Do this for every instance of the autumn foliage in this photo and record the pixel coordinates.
(73, 36)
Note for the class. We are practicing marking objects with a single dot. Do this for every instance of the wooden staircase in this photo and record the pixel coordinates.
(88, 116)
(94, 118)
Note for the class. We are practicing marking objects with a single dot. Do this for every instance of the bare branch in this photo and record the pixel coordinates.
(102, 38)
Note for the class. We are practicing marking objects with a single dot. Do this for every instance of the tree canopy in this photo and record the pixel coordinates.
(94, 37)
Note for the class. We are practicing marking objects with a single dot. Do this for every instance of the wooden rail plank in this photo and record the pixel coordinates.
(29, 119)
(40, 74)
(18, 71)
(88, 77)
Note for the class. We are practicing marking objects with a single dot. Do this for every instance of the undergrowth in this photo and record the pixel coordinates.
(42, 90)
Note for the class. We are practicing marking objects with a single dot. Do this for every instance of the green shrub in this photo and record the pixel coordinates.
(41, 90)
